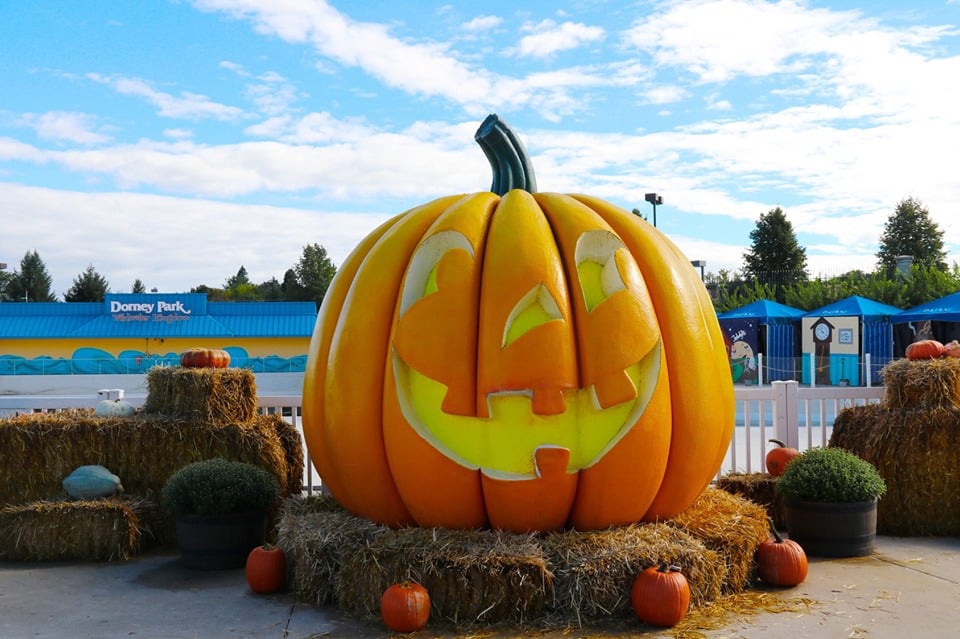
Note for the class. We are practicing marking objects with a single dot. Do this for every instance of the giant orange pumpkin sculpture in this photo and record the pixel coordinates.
(519, 360)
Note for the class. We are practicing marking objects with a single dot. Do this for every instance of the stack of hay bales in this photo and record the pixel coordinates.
(480, 577)
(913, 439)
(190, 415)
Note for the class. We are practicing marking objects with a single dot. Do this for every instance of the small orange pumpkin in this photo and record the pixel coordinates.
(266, 569)
(405, 607)
(951, 349)
(660, 595)
(781, 562)
(925, 349)
(778, 458)
(205, 358)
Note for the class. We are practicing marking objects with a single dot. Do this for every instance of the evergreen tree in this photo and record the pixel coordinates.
(32, 282)
(138, 286)
(239, 279)
(89, 286)
(775, 257)
(5, 278)
(910, 231)
(314, 272)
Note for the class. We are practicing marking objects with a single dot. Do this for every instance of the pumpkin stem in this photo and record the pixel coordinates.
(512, 168)
(777, 442)
(665, 567)
(776, 533)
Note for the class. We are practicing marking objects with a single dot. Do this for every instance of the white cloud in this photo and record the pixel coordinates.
(482, 23)
(547, 38)
(166, 241)
(64, 126)
(187, 105)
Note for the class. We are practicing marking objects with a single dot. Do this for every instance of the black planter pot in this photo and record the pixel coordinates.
(826, 529)
(218, 542)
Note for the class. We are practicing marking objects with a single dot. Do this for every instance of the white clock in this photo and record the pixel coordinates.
(822, 332)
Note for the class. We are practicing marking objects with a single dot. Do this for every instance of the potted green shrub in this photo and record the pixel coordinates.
(221, 509)
(830, 502)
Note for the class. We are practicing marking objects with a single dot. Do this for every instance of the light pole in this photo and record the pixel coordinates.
(653, 199)
(700, 264)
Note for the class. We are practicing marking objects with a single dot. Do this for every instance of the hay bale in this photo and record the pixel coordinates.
(928, 383)
(473, 576)
(917, 452)
(486, 577)
(594, 571)
(38, 450)
(209, 395)
(108, 529)
(316, 534)
(759, 488)
(733, 527)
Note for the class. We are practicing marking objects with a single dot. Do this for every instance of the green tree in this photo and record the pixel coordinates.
(292, 290)
(32, 282)
(775, 256)
(138, 286)
(314, 272)
(239, 279)
(910, 231)
(240, 288)
(270, 291)
(89, 286)
(5, 277)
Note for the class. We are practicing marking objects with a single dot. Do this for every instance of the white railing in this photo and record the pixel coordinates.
(799, 416)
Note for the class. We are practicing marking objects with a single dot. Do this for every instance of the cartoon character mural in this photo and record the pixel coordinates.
(741, 340)
(518, 360)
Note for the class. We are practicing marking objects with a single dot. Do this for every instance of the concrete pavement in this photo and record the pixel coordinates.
(909, 587)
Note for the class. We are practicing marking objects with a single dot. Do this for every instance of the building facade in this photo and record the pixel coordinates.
(131, 333)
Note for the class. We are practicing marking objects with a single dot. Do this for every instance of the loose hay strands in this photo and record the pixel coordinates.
(929, 383)
(210, 395)
(742, 605)
(917, 452)
(730, 525)
(759, 488)
(96, 530)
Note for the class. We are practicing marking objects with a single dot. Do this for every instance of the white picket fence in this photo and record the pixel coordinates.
(799, 416)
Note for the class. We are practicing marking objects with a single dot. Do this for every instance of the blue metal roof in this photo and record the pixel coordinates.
(156, 315)
(763, 311)
(858, 306)
(943, 309)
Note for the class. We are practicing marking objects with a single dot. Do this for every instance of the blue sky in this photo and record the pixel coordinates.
(176, 140)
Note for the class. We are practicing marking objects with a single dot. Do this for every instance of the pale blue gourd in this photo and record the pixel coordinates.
(115, 408)
(91, 482)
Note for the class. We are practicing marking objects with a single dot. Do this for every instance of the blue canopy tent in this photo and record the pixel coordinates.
(777, 339)
(875, 323)
(938, 319)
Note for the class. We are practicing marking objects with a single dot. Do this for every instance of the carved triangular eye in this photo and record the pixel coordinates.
(534, 309)
(421, 279)
(596, 257)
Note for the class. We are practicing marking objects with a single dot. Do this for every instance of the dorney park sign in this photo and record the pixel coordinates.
(153, 307)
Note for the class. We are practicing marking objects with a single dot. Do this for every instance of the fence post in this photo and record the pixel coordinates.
(760, 369)
(785, 416)
(869, 367)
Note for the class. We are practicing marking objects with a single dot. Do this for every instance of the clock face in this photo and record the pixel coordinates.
(822, 331)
